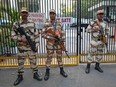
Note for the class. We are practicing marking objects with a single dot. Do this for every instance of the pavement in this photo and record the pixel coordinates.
(76, 77)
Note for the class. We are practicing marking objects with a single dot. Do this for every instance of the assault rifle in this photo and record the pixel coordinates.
(101, 34)
(30, 42)
(51, 30)
(61, 45)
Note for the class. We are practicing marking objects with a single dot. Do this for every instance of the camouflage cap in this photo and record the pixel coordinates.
(52, 11)
(100, 12)
(24, 9)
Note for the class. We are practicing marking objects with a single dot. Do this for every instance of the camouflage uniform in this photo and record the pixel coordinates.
(24, 49)
(52, 45)
(96, 46)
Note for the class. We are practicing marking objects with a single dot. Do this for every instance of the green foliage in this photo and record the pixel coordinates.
(5, 31)
(85, 4)
(67, 11)
(13, 14)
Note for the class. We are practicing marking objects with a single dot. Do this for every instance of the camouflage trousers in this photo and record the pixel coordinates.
(22, 55)
(96, 49)
(50, 52)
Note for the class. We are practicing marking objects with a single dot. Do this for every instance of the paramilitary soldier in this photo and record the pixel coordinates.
(53, 28)
(98, 30)
(27, 37)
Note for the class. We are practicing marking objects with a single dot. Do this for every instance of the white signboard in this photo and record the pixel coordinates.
(65, 20)
(38, 19)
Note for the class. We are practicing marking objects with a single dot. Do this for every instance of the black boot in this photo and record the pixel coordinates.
(47, 74)
(63, 73)
(87, 70)
(37, 76)
(98, 68)
(19, 79)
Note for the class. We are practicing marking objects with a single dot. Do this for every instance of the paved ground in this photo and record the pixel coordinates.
(76, 78)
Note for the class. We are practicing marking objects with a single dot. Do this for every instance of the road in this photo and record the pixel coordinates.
(76, 77)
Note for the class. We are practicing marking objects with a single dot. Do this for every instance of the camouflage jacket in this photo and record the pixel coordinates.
(30, 30)
(93, 25)
(57, 29)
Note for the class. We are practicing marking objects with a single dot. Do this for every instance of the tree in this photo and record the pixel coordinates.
(85, 4)
(63, 10)
(5, 31)
(67, 11)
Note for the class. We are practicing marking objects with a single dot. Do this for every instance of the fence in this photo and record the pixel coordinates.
(80, 12)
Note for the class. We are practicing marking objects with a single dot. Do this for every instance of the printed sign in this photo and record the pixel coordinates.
(65, 20)
(38, 19)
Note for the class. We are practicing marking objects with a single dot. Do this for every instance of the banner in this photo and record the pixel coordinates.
(38, 19)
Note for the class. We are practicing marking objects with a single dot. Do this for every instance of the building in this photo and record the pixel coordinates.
(109, 8)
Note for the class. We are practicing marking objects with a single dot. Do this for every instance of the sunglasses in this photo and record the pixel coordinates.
(101, 14)
(24, 12)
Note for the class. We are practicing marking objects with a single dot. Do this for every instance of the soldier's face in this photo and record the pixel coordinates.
(24, 14)
(52, 16)
(100, 16)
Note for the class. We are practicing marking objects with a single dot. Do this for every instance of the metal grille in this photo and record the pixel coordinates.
(87, 12)
(80, 11)
(13, 7)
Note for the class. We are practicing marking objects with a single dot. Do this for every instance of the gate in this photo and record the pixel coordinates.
(75, 16)
(10, 12)
(87, 11)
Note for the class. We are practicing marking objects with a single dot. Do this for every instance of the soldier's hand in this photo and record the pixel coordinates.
(63, 40)
(22, 44)
(51, 39)
(23, 39)
(98, 29)
(95, 30)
